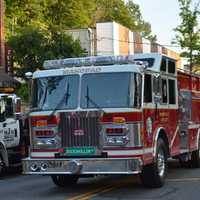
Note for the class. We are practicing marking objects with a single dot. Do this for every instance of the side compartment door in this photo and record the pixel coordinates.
(185, 108)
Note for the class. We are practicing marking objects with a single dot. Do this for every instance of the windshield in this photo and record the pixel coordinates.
(109, 90)
(60, 92)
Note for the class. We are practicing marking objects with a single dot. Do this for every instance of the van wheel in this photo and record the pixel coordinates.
(64, 180)
(1, 164)
(154, 175)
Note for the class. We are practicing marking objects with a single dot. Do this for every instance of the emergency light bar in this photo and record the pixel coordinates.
(91, 61)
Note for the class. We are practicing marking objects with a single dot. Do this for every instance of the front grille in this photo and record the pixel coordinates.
(80, 129)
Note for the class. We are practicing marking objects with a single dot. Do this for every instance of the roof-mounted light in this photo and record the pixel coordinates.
(90, 61)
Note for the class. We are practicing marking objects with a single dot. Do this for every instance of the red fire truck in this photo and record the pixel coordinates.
(113, 115)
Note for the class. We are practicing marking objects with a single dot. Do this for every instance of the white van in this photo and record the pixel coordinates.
(10, 125)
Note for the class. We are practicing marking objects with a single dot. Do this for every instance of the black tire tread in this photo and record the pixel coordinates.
(64, 180)
(149, 176)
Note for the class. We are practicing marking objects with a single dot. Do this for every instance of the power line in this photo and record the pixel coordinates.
(133, 42)
(130, 42)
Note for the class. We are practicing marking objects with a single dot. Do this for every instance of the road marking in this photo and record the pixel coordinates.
(92, 193)
(101, 190)
(95, 191)
(107, 188)
(183, 179)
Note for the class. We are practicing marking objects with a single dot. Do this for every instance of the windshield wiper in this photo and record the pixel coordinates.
(89, 99)
(66, 95)
(128, 96)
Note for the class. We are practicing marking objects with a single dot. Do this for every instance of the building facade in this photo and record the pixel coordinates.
(111, 38)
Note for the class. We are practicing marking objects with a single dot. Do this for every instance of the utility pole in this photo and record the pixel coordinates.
(2, 38)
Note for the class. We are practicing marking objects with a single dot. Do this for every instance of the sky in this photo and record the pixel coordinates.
(163, 15)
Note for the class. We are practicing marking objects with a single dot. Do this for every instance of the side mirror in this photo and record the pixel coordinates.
(29, 75)
(18, 116)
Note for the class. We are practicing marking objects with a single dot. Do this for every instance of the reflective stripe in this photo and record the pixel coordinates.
(194, 126)
(130, 152)
(43, 154)
(174, 137)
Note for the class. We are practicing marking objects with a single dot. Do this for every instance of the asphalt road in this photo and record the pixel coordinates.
(181, 184)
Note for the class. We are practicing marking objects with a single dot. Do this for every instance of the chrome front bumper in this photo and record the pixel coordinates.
(82, 166)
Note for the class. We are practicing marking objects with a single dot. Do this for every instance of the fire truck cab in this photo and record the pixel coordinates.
(113, 115)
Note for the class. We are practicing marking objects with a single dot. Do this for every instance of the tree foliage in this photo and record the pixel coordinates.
(35, 29)
(57, 15)
(32, 46)
(22, 13)
(188, 32)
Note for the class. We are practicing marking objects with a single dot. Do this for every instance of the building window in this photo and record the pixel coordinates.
(147, 89)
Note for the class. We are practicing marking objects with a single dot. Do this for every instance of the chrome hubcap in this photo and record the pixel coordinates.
(161, 163)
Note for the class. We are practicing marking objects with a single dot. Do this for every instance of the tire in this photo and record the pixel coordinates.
(195, 157)
(153, 175)
(64, 180)
(185, 164)
(2, 165)
(194, 161)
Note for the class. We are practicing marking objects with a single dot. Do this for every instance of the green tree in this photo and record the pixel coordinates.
(59, 15)
(32, 46)
(22, 13)
(113, 10)
(138, 23)
(62, 14)
(23, 91)
(188, 33)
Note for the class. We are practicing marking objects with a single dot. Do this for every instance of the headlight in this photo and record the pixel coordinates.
(117, 141)
(45, 143)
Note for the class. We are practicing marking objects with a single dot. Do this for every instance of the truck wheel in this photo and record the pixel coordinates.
(194, 161)
(185, 164)
(154, 175)
(195, 157)
(64, 180)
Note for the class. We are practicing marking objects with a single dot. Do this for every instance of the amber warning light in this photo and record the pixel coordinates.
(42, 121)
(119, 120)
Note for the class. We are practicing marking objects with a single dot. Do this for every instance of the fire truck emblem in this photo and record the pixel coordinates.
(79, 132)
